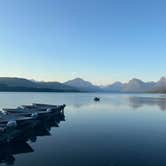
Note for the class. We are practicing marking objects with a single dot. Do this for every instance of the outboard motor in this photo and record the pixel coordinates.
(11, 124)
(34, 115)
(48, 110)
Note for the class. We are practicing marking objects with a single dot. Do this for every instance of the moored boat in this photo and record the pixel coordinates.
(35, 111)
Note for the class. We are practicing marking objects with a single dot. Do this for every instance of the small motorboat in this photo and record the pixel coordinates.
(37, 105)
(15, 123)
(96, 99)
(35, 110)
(14, 120)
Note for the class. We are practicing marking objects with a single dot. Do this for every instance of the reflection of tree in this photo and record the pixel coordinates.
(19, 145)
(137, 102)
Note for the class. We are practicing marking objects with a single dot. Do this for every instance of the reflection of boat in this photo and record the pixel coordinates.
(8, 150)
(14, 140)
(96, 99)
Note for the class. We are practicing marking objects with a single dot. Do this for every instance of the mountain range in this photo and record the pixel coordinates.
(80, 85)
(136, 85)
(21, 84)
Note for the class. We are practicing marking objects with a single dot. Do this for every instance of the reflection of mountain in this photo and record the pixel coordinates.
(137, 102)
(17, 144)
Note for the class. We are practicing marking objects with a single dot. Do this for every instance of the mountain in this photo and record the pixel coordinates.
(134, 85)
(115, 87)
(16, 82)
(161, 83)
(21, 84)
(56, 85)
(160, 86)
(82, 85)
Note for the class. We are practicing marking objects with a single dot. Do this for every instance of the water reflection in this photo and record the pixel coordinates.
(8, 151)
(17, 141)
(137, 102)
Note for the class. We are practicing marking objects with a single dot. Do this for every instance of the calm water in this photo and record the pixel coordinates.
(121, 130)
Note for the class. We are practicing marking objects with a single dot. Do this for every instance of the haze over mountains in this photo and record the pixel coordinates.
(80, 85)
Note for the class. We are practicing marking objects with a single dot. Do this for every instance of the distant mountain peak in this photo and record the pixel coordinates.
(161, 84)
(162, 79)
(82, 84)
(79, 80)
(115, 87)
(117, 84)
(135, 80)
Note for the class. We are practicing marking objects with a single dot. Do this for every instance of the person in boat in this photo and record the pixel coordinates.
(96, 99)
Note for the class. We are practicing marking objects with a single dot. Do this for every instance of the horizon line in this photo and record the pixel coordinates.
(36, 80)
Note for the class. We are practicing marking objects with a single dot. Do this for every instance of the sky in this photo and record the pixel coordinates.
(99, 40)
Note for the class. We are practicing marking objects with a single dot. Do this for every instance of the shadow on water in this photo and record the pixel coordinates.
(137, 102)
(15, 141)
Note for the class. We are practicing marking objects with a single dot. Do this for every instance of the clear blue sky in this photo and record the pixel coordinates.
(99, 40)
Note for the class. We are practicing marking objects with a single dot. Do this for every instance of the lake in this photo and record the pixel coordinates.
(120, 130)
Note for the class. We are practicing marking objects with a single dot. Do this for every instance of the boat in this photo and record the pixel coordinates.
(13, 120)
(15, 141)
(18, 121)
(42, 106)
(12, 125)
(35, 111)
(96, 99)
